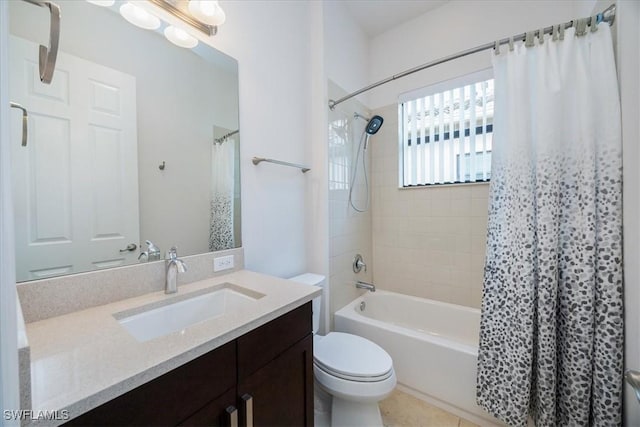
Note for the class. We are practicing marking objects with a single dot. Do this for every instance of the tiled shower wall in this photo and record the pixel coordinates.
(350, 231)
(430, 241)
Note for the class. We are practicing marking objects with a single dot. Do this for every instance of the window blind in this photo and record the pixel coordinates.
(446, 132)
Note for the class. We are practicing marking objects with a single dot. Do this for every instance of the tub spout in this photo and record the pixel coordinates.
(364, 285)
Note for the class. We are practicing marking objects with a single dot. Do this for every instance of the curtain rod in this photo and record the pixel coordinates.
(608, 15)
(223, 137)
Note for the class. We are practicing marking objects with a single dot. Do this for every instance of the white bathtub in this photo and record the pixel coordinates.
(434, 346)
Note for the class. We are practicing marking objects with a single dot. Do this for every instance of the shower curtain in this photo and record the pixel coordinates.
(551, 333)
(222, 194)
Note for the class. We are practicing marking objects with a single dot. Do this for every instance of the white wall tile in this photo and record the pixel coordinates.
(430, 241)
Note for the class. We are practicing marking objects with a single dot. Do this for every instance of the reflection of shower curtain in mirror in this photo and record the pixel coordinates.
(222, 192)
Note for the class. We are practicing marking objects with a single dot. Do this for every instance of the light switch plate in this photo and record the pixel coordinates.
(223, 263)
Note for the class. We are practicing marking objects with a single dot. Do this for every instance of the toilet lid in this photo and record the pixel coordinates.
(351, 355)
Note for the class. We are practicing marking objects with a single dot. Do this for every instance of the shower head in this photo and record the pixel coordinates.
(374, 125)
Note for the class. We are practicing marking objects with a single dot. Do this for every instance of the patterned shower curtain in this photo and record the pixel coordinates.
(551, 334)
(222, 194)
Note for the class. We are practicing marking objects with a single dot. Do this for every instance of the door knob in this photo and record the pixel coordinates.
(130, 248)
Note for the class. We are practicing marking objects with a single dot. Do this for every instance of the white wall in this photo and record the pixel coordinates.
(347, 68)
(8, 329)
(317, 225)
(628, 53)
(346, 49)
(270, 40)
(349, 230)
(451, 28)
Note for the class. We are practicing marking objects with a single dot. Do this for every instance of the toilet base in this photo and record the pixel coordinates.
(350, 413)
(321, 406)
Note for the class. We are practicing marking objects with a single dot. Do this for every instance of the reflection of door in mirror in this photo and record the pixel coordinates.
(76, 182)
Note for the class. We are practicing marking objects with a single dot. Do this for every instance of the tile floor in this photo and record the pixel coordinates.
(403, 410)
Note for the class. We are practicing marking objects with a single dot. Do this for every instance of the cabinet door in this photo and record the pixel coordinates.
(172, 397)
(262, 345)
(219, 413)
(281, 392)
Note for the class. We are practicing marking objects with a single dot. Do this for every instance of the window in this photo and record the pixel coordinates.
(339, 165)
(446, 132)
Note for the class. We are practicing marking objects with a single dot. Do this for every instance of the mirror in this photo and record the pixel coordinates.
(121, 146)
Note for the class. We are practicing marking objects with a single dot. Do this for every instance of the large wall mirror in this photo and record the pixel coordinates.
(127, 145)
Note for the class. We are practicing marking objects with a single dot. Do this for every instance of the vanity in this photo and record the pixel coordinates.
(262, 378)
(249, 364)
(133, 149)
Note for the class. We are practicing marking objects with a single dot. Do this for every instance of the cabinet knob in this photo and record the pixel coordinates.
(232, 412)
(247, 400)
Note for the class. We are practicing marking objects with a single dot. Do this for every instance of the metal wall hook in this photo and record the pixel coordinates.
(25, 121)
(161, 166)
(48, 55)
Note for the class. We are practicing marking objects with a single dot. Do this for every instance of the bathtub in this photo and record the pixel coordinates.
(434, 346)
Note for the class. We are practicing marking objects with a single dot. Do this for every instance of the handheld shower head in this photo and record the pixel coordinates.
(374, 125)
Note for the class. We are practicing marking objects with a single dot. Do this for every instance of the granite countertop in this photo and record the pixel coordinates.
(83, 359)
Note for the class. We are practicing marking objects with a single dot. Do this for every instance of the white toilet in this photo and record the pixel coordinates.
(353, 373)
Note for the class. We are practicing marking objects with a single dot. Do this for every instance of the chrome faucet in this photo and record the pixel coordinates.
(151, 254)
(364, 285)
(174, 265)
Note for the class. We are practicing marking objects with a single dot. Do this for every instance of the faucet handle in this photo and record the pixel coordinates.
(358, 264)
(151, 247)
(172, 253)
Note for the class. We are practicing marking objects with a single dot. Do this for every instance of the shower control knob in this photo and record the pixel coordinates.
(358, 264)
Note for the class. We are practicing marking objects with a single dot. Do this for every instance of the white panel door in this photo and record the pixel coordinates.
(76, 182)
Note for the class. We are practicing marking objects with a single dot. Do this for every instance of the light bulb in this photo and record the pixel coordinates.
(139, 17)
(180, 37)
(207, 11)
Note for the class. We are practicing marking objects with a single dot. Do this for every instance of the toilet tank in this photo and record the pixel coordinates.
(313, 279)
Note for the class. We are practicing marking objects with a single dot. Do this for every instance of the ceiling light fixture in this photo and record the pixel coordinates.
(207, 11)
(197, 13)
(139, 17)
(180, 37)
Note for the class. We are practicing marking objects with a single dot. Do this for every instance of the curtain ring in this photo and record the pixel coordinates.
(541, 36)
(594, 23)
(581, 26)
(510, 44)
(528, 39)
(496, 47)
(561, 31)
(554, 33)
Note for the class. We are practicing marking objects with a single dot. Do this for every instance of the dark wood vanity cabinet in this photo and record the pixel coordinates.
(263, 378)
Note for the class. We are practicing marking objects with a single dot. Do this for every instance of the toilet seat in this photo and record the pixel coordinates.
(351, 377)
(352, 358)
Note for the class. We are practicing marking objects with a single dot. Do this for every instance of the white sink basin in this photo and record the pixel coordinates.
(182, 311)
